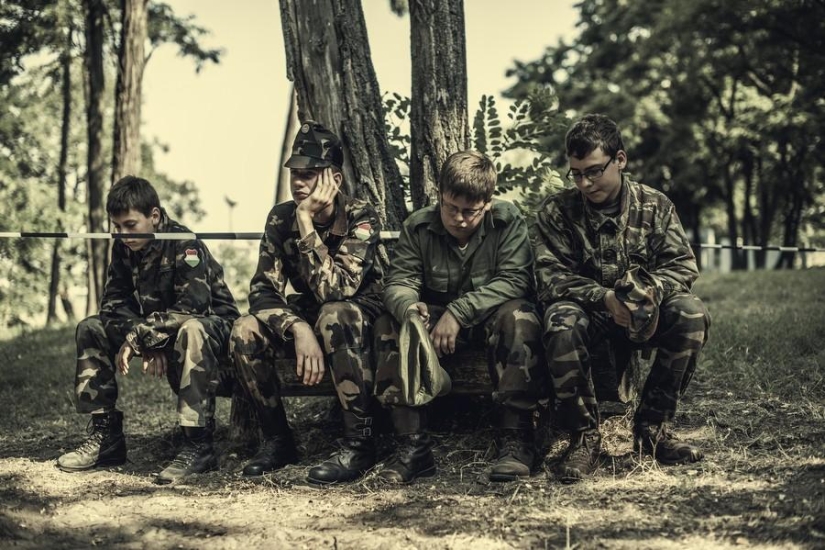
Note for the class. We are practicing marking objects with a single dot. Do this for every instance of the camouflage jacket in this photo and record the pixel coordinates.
(428, 266)
(581, 252)
(151, 292)
(345, 261)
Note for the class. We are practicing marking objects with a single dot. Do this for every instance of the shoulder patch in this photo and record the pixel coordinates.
(191, 257)
(363, 231)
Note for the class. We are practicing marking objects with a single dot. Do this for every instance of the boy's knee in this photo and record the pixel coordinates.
(687, 310)
(563, 317)
(520, 319)
(192, 328)
(246, 332)
(90, 325)
(340, 325)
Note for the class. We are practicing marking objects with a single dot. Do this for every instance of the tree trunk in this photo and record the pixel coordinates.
(328, 59)
(126, 149)
(733, 228)
(66, 92)
(95, 171)
(438, 106)
(767, 209)
(283, 192)
(792, 223)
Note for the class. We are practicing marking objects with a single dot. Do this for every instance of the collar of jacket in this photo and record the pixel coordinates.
(596, 219)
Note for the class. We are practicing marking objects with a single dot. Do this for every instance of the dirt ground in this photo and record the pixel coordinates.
(762, 485)
(756, 406)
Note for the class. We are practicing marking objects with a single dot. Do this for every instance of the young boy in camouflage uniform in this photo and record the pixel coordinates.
(165, 301)
(466, 267)
(326, 245)
(613, 262)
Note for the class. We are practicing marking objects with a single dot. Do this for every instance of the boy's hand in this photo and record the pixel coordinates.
(124, 355)
(154, 363)
(444, 334)
(322, 196)
(619, 312)
(420, 309)
(310, 365)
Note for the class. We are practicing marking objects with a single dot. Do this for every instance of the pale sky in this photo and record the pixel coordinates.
(224, 126)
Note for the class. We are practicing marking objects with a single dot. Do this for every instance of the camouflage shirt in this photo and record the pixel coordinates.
(154, 290)
(581, 252)
(344, 261)
(428, 265)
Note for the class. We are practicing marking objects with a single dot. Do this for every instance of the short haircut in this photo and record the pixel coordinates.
(129, 193)
(591, 132)
(468, 174)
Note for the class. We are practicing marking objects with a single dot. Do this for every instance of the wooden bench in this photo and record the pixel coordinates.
(616, 385)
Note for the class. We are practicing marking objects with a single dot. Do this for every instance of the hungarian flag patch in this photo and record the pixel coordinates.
(363, 231)
(191, 257)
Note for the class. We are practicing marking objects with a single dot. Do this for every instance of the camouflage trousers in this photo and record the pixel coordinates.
(344, 331)
(194, 362)
(570, 333)
(511, 336)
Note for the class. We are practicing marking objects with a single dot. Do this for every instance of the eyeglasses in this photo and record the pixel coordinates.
(466, 213)
(591, 173)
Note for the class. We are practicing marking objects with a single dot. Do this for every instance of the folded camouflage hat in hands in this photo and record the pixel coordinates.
(641, 293)
(424, 378)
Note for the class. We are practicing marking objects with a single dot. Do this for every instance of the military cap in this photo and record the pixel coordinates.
(315, 147)
(638, 291)
(422, 377)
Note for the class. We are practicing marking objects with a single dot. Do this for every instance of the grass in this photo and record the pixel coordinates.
(767, 333)
(756, 405)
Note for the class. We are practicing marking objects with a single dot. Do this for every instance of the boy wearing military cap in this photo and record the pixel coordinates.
(465, 267)
(165, 301)
(326, 245)
(613, 262)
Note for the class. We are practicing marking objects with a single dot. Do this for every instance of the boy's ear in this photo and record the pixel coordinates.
(338, 177)
(488, 205)
(155, 216)
(621, 158)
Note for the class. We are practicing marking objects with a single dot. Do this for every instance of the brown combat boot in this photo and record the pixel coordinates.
(516, 450)
(656, 441)
(105, 446)
(196, 456)
(582, 456)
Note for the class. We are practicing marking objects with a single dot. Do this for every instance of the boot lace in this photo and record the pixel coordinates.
(510, 447)
(186, 456)
(93, 442)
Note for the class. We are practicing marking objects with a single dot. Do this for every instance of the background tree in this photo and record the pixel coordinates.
(328, 59)
(44, 172)
(710, 95)
(438, 117)
(62, 167)
(95, 169)
(126, 151)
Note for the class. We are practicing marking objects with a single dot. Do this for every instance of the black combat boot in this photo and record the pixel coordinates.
(656, 441)
(582, 456)
(196, 456)
(105, 445)
(355, 457)
(414, 456)
(277, 447)
(516, 449)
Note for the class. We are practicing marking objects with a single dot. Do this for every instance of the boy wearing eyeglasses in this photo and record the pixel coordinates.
(464, 266)
(613, 262)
